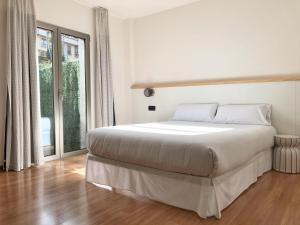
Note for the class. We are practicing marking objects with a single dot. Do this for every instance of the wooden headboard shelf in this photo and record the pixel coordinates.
(261, 79)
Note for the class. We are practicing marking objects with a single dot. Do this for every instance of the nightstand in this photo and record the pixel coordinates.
(286, 154)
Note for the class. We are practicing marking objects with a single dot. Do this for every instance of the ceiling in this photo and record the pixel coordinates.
(135, 8)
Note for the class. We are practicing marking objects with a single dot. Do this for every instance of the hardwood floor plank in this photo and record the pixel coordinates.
(57, 193)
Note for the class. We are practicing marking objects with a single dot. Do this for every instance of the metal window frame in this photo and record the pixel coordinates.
(57, 31)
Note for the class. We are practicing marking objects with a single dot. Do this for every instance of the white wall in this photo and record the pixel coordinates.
(2, 76)
(216, 39)
(220, 39)
(119, 39)
(71, 15)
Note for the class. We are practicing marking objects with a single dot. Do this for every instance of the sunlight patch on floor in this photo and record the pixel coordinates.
(104, 186)
(80, 171)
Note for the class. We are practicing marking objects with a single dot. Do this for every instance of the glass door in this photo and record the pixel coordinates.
(73, 90)
(63, 68)
(46, 51)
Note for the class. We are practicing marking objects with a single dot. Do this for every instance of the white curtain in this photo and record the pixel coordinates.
(104, 115)
(23, 136)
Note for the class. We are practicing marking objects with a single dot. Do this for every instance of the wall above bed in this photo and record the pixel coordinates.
(284, 97)
(212, 39)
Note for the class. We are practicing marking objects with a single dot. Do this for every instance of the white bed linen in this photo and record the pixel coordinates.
(195, 148)
(206, 196)
(259, 114)
(195, 112)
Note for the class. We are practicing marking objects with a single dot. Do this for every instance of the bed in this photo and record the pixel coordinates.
(198, 166)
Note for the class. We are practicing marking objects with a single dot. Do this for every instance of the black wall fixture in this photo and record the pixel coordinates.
(148, 92)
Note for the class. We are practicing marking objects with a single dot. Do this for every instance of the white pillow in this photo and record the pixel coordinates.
(259, 114)
(195, 112)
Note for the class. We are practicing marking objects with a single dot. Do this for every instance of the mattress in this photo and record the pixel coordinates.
(194, 148)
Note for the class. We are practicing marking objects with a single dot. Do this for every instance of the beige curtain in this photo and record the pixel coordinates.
(2, 78)
(104, 115)
(23, 136)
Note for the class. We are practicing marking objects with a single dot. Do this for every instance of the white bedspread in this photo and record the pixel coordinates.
(200, 149)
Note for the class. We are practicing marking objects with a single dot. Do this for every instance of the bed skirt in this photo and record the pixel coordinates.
(205, 196)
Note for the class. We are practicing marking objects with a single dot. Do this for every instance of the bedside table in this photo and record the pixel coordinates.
(286, 154)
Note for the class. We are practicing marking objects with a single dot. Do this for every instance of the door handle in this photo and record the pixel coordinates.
(61, 94)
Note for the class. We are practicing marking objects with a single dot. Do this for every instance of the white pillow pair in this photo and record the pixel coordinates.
(259, 114)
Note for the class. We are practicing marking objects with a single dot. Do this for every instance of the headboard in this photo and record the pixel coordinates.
(283, 95)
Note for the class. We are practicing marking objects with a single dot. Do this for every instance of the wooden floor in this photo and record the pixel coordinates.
(57, 193)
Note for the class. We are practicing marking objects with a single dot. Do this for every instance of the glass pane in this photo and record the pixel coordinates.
(46, 76)
(74, 98)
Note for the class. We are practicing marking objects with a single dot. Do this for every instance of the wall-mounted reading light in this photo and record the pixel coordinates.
(148, 92)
